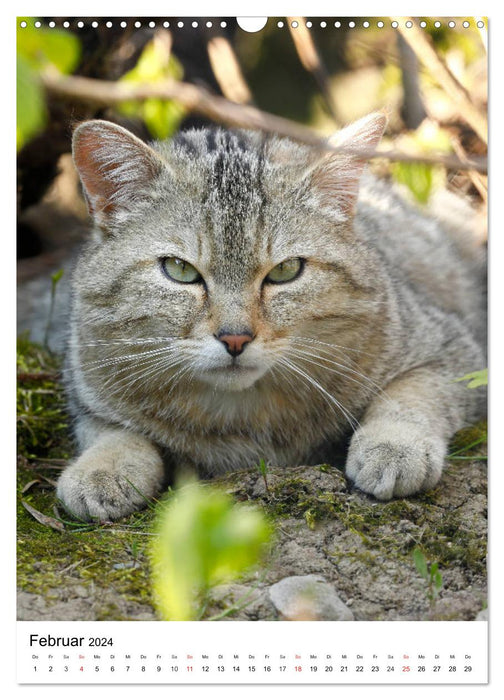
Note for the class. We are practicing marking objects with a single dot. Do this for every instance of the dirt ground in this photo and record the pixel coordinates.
(360, 548)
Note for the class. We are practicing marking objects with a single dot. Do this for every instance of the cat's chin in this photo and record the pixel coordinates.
(232, 378)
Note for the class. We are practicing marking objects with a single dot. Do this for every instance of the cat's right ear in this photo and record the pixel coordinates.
(116, 169)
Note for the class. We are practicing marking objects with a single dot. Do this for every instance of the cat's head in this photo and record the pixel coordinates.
(230, 245)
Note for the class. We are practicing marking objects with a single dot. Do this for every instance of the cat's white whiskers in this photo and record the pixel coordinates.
(123, 341)
(332, 346)
(142, 375)
(354, 423)
(120, 359)
(368, 384)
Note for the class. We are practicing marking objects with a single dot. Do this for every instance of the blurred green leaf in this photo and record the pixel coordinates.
(203, 538)
(30, 103)
(44, 47)
(55, 278)
(156, 63)
(39, 49)
(418, 178)
(475, 379)
(420, 563)
(422, 178)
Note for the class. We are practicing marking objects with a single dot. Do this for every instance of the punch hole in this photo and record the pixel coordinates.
(23, 25)
(309, 24)
(251, 24)
(423, 24)
(380, 24)
(351, 25)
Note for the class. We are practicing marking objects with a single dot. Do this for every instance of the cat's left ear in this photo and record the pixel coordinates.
(336, 176)
(116, 169)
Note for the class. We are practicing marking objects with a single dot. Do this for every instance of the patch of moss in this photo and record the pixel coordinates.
(471, 440)
(109, 556)
(42, 421)
(389, 529)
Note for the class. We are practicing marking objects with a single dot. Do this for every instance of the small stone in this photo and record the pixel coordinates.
(126, 565)
(483, 615)
(308, 598)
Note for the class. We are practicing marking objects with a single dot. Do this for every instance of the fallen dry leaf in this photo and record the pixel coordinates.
(44, 519)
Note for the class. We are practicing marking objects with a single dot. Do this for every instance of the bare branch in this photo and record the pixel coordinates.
(197, 99)
(426, 53)
(312, 62)
(227, 70)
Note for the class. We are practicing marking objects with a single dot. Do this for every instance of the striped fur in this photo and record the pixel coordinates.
(364, 345)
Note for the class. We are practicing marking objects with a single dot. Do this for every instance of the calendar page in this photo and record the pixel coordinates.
(251, 350)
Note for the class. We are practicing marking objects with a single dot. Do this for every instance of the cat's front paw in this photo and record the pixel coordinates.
(111, 479)
(389, 459)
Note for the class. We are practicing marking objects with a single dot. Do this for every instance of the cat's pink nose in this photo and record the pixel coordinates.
(235, 343)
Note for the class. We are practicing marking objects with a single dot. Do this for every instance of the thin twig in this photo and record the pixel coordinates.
(220, 110)
(478, 180)
(227, 71)
(38, 376)
(427, 55)
(311, 60)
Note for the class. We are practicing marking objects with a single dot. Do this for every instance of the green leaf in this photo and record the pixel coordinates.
(475, 379)
(420, 563)
(203, 538)
(38, 49)
(438, 581)
(44, 46)
(156, 63)
(55, 278)
(162, 117)
(30, 103)
(418, 178)
(422, 178)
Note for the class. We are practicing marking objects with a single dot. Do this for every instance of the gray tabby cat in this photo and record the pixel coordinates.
(246, 297)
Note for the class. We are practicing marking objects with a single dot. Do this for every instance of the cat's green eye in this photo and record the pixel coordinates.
(285, 271)
(180, 270)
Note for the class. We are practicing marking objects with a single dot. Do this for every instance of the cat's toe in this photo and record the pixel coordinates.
(91, 492)
(390, 465)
